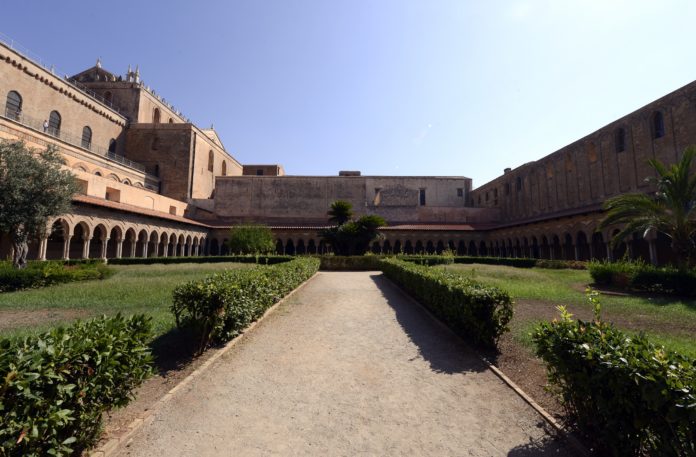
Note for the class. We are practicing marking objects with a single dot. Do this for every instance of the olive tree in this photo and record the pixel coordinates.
(33, 188)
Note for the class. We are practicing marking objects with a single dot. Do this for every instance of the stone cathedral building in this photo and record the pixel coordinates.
(154, 184)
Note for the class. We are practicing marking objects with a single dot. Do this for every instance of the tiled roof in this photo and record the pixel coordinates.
(134, 209)
(431, 227)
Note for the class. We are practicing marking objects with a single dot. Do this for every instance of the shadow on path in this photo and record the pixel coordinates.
(544, 447)
(442, 350)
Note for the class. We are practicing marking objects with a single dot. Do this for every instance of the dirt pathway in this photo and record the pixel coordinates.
(347, 366)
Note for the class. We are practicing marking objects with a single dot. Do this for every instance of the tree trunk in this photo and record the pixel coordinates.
(20, 248)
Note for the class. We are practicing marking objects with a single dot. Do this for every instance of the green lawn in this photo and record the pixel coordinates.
(132, 289)
(668, 321)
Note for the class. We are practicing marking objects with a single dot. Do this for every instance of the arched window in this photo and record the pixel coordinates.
(86, 137)
(108, 97)
(658, 125)
(211, 160)
(518, 184)
(171, 121)
(54, 121)
(13, 105)
(112, 146)
(224, 168)
(620, 140)
(156, 116)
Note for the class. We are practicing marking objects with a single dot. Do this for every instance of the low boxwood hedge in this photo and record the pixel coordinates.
(54, 387)
(220, 306)
(629, 396)
(260, 259)
(349, 263)
(478, 313)
(637, 275)
(46, 273)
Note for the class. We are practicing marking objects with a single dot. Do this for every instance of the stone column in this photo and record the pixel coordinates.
(134, 246)
(119, 248)
(43, 246)
(144, 249)
(653, 251)
(610, 251)
(85, 247)
(155, 252)
(165, 250)
(576, 252)
(66, 248)
(105, 248)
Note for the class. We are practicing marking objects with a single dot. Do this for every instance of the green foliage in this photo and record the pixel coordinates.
(251, 239)
(33, 188)
(476, 312)
(220, 306)
(260, 259)
(353, 237)
(561, 264)
(340, 212)
(366, 262)
(55, 386)
(671, 210)
(41, 274)
(428, 260)
(630, 396)
(637, 275)
(509, 261)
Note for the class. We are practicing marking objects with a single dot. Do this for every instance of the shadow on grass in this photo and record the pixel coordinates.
(441, 349)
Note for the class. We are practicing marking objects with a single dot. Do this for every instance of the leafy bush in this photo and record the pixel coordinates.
(41, 274)
(630, 396)
(637, 275)
(350, 263)
(476, 312)
(561, 264)
(220, 306)
(509, 261)
(260, 259)
(428, 260)
(251, 239)
(56, 386)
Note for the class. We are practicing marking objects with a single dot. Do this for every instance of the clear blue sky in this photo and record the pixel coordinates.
(388, 87)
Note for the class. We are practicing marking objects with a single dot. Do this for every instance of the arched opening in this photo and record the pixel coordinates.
(599, 249)
(482, 249)
(225, 247)
(397, 247)
(517, 248)
(77, 242)
(545, 251)
(311, 247)
(525, 247)
(279, 247)
(300, 249)
(640, 248)
(156, 116)
(440, 248)
(54, 121)
(568, 249)
(13, 105)
(96, 244)
(556, 248)
(376, 249)
(290, 248)
(112, 146)
(224, 168)
(56, 240)
(141, 244)
(189, 243)
(211, 161)
(86, 137)
(115, 238)
(535, 248)
(129, 244)
(621, 249)
(461, 248)
(582, 248)
(386, 247)
(472, 248)
(429, 248)
(153, 245)
(620, 140)
(419, 247)
(171, 246)
(408, 247)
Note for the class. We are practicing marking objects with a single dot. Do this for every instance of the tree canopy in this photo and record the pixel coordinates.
(671, 210)
(251, 239)
(351, 237)
(33, 189)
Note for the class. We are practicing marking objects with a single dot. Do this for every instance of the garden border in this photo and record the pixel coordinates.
(572, 440)
(113, 444)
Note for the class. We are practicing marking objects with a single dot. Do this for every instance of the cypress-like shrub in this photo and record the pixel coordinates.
(629, 396)
(478, 313)
(220, 306)
(54, 387)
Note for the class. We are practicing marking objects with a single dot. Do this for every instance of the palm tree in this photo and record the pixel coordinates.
(341, 212)
(671, 210)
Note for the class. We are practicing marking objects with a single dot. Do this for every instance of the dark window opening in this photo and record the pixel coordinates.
(112, 146)
(13, 105)
(518, 184)
(460, 192)
(422, 197)
(259, 172)
(86, 137)
(211, 160)
(620, 140)
(658, 125)
(156, 116)
(507, 188)
(54, 121)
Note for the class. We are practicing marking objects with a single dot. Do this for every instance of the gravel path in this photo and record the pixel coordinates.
(347, 366)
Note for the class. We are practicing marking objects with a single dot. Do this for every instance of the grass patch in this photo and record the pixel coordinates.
(667, 320)
(131, 289)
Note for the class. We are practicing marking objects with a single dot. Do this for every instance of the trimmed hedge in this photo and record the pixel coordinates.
(55, 386)
(350, 263)
(637, 275)
(478, 313)
(260, 259)
(46, 273)
(428, 260)
(220, 306)
(628, 395)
